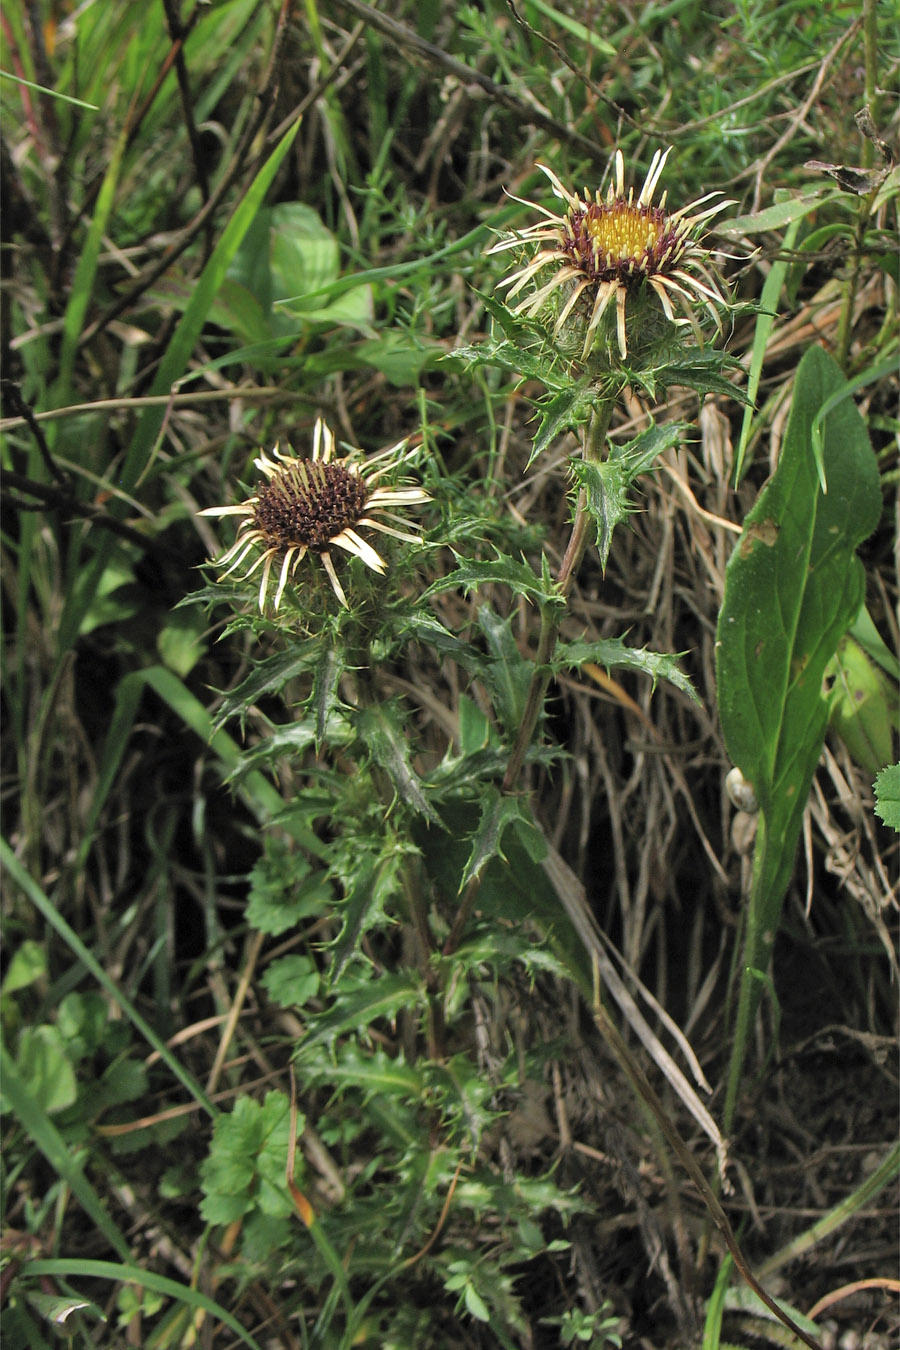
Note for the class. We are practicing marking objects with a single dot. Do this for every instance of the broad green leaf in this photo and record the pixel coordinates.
(863, 707)
(46, 1072)
(887, 796)
(246, 1165)
(27, 964)
(181, 642)
(284, 889)
(291, 981)
(793, 586)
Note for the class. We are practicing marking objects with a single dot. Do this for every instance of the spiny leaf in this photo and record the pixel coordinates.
(381, 732)
(606, 485)
(497, 813)
(268, 676)
(613, 652)
(519, 577)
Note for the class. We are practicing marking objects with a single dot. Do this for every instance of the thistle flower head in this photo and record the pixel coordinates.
(312, 506)
(605, 249)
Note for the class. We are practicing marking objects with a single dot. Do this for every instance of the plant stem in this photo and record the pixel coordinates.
(551, 617)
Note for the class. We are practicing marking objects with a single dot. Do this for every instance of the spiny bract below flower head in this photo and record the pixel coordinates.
(608, 247)
(314, 505)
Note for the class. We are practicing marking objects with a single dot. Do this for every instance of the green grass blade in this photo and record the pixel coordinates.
(17, 874)
(129, 1273)
(45, 1136)
(85, 273)
(768, 307)
(173, 365)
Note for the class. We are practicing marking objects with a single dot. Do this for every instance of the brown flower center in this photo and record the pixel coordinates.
(621, 241)
(307, 504)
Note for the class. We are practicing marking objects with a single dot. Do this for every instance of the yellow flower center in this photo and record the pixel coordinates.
(618, 240)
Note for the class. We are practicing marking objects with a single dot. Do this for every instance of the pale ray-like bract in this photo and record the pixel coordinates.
(312, 506)
(604, 249)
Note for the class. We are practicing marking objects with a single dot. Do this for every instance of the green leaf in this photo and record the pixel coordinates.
(27, 964)
(46, 1072)
(887, 796)
(793, 586)
(377, 998)
(373, 1072)
(268, 676)
(613, 653)
(777, 216)
(519, 577)
(863, 708)
(291, 981)
(380, 728)
(508, 673)
(247, 1161)
(326, 677)
(497, 813)
(563, 411)
(284, 889)
(425, 628)
(606, 485)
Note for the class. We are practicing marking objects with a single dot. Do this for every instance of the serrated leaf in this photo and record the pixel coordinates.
(887, 796)
(246, 1164)
(291, 981)
(508, 673)
(606, 485)
(519, 577)
(268, 676)
(379, 998)
(381, 733)
(702, 370)
(427, 629)
(613, 653)
(284, 889)
(563, 411)
(326, 676)
(373, 1072)
(497, 813)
